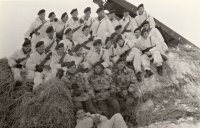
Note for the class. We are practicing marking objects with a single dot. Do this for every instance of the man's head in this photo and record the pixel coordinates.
(69, 33)
(72, 67)
(40, 47)
(108, 42)
(140, 9)
(80, 113)
(111, 14)
(137, 32)
(100, 12)
(97, 44)
(74, 13)
(41, 14)
(26, 45)
(125, 13)
(64, 17)
(98, 68)
(120, 41)
(144, 33)
(86, 30)
(113, 37)
(146, 25)
(50, 32)
(52, 16)
(78, 50)
(120, 64)
(118, 29)
(60, 49)
(87, 11)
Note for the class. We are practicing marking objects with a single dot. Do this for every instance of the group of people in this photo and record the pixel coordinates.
(100, 60)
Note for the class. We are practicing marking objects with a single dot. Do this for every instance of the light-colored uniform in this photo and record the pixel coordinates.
(75, 58)
(155, 52)
(113, 55)
(18, 54)
(155, 32)
(81, 39)
(59, 26)
(117, 121)
(131, 27)
(39, 77)
(102, 29)
(54, 63)
(88, 22)
(74, 24)
(35, 38)
(140, 18)
(47, 41)
(68, 45)
(133, 56)
(114, 23)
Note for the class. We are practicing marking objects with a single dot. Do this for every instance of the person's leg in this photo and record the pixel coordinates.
(103, 107)
(116, 121)
(90, 107)
(17, 74)
(137, 60)
(38, 79)
(47, 75)
(157, 58)
(114, 104)
(145, 62)
(30, 74)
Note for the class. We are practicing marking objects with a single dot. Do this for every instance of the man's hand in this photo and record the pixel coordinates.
(148, 53)
(64, 64)
(96, 120)
(91, 38)
(49, 56)
(38, 68)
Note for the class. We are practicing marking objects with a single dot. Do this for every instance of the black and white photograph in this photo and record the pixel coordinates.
(100, 64)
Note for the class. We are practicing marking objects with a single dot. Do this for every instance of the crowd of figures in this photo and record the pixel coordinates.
(99, 59)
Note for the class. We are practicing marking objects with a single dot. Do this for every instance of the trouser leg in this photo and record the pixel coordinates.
(157, 58)
(103, 107)
(90, 107)
(47, 75)
(30, 74)
(116, 121)
(17, 74)
(38, 79)
(145, 62)
(114, 104)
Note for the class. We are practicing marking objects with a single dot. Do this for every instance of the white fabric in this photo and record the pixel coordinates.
(115, 23)
(68, 44)
(140, 18)
(128, 44)
(58, 26)
(102, 29)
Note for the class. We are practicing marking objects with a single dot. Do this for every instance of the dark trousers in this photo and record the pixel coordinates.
(87, 105)
(106, 105)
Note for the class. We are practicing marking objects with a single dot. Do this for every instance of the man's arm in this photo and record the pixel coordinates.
(133, 25)
(30, 30)
(12, 59)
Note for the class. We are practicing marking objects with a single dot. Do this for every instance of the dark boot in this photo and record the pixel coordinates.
(139, 76)
(148, 73)
(160, 70)
(129, 64)
(17, 85)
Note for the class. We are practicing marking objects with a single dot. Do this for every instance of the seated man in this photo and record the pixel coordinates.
(95, 55)
(112, 16)
(151, 48)
(58, 60)
(36, 65)
(113, 55)
(104, 86)
(134, 36)
(142, 15)
(127, 87)
(69, 43)
(125, 48)
(82, 92)
(85, 39)
(87, 120)
(156, 33)
(18, 60)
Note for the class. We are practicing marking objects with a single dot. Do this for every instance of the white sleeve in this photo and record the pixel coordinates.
(30, 30)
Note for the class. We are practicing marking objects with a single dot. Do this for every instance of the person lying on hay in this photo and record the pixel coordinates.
(127, 85)
(87, 120)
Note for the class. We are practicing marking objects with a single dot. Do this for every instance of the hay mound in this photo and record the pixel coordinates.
(49, 106)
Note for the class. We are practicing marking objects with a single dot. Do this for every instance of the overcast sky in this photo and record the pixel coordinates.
(183, 16)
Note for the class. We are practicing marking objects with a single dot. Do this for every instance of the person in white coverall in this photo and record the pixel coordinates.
(156, 33)
(87, 120)
(74, 22)
(111, 16)
(102, 26)
(132, 54)
(142, 15)
(128, 20)
(88, 20)
(36, 65)
(18, 60)
(37, 36)
(151, 49)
